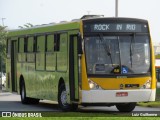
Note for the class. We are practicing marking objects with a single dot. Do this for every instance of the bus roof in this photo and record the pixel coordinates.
(114, 19)
(45, 28)
(62, 26)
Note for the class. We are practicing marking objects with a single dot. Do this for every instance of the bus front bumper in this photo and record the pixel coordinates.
(110, 96)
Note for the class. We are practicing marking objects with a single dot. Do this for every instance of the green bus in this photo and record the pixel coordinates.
(90, 61)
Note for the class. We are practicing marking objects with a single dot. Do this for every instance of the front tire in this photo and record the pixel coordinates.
(62, 100)
(126, 107)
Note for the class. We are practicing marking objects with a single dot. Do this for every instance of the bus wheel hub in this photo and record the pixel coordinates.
(64, 98)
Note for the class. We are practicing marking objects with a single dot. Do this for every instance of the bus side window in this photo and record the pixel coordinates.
(50, 43)
(62, 55)
(56, 42)
(40, 52)
(21, 49)
(63, 42)
(30, 49)
(8, 51)
(21, 45)
(35, 44)
(25, 44)
(30, 44)
(41, 44)
(50, 54)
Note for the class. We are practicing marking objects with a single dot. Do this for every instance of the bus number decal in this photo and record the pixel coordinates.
(116, 70)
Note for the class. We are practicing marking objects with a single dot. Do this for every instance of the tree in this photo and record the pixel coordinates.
(27, 25)
(3, 37)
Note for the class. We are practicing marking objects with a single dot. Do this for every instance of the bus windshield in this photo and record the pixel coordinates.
(118, 54)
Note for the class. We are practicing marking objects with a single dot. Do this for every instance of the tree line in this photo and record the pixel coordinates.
(3, 38)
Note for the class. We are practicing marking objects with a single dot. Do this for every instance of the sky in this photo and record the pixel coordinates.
(37, 12)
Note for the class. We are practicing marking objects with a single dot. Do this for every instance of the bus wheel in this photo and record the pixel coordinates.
(24, 99)
(126, 107)
(62, 98)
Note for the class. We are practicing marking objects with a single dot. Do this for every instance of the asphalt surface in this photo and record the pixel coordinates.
(11, 102)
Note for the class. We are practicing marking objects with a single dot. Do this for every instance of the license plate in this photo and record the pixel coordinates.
(121, 94)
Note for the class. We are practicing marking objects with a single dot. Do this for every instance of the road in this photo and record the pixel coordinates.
(11, 102)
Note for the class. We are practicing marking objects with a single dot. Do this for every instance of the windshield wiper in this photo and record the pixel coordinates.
(106, 48)
(131, 48)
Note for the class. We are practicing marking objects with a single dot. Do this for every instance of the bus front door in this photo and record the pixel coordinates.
(73, 69)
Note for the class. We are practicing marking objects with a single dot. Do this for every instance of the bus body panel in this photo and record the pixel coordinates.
(109, 96)
(41, 81)
(116, 83)
(153, 67)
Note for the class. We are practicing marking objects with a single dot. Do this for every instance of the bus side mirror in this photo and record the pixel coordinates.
(79, 44)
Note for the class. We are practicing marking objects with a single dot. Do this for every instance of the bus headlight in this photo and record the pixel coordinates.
(147, 85)
(93, 85)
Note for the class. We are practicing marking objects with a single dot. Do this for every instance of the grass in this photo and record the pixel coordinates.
(82, 114)
(85, 118)
(158, 94)
(152, 104)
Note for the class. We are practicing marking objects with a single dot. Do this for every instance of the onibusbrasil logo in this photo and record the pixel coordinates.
(21, 114)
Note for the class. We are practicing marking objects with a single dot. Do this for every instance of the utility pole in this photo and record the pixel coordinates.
(3, 21)
(116, 8)
(88, 12)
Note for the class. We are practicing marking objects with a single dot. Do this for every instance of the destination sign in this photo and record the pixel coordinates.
(116, 27)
